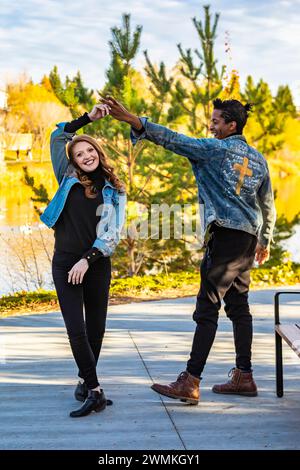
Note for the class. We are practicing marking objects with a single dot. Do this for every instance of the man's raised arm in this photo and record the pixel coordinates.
(142, 128)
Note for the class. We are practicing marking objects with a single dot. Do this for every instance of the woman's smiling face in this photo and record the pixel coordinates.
(85, 156)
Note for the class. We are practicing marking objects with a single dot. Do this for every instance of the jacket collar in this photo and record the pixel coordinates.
(108, 183)
(236, 137)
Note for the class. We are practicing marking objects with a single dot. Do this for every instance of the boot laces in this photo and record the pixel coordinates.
(182, 376)
(231, 372)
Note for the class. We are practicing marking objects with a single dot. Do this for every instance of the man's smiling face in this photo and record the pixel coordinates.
(219, 128)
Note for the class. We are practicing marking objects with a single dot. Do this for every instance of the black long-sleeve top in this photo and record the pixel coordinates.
(75, 230)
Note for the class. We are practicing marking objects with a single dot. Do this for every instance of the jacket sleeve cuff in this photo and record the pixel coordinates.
(60, 133)
(77, 124)
(136, 135)
(265, 242)
(92, 255)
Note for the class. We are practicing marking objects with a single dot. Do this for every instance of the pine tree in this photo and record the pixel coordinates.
(72, 93)
(268, 119)
(201, 82)
(124, 44)
(56, 83)
(40, 192)
(152, 174)
(121, 84)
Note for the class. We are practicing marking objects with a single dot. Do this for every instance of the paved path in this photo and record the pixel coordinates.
(145, 342)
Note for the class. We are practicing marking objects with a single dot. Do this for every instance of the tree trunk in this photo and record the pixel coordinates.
(131, 252)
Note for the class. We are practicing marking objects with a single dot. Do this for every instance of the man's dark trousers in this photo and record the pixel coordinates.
(225, 274)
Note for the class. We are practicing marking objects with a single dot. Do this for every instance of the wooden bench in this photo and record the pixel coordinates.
(290, 332)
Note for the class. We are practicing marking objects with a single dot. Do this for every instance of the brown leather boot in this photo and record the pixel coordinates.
(240, 383)
(186, 388)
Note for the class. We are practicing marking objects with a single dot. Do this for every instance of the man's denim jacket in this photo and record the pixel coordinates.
(114, 203)
(234, 185)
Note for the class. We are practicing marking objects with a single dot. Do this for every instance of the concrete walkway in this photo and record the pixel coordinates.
(145, 342)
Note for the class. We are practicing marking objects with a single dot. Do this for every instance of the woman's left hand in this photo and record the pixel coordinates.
(78, 271)
(99, 111)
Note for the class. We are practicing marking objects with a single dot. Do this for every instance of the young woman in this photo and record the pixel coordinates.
(87, 214)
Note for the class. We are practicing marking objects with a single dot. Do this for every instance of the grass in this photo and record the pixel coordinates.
(142, 288)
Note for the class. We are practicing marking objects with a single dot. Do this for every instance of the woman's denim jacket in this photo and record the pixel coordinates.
(114, 203)
(234, 185)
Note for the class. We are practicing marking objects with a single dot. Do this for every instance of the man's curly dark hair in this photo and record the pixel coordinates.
(233, 110)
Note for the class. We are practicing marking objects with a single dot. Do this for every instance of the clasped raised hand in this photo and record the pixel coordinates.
(99, 111)
(116, 109)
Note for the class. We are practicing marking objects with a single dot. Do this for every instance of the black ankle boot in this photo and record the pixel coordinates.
(81, 391)
(95, 401)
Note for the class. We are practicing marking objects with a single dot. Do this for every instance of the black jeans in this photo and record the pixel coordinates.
(225, 274)
(84, 309)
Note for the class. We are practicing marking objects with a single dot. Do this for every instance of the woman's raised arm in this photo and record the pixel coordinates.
(65, 132)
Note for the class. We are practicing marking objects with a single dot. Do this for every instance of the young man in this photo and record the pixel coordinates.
(235, 188)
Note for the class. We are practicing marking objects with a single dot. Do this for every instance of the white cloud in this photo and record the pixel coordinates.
(37, 34)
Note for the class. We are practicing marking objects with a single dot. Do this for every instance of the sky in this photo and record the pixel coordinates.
(35, 35)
